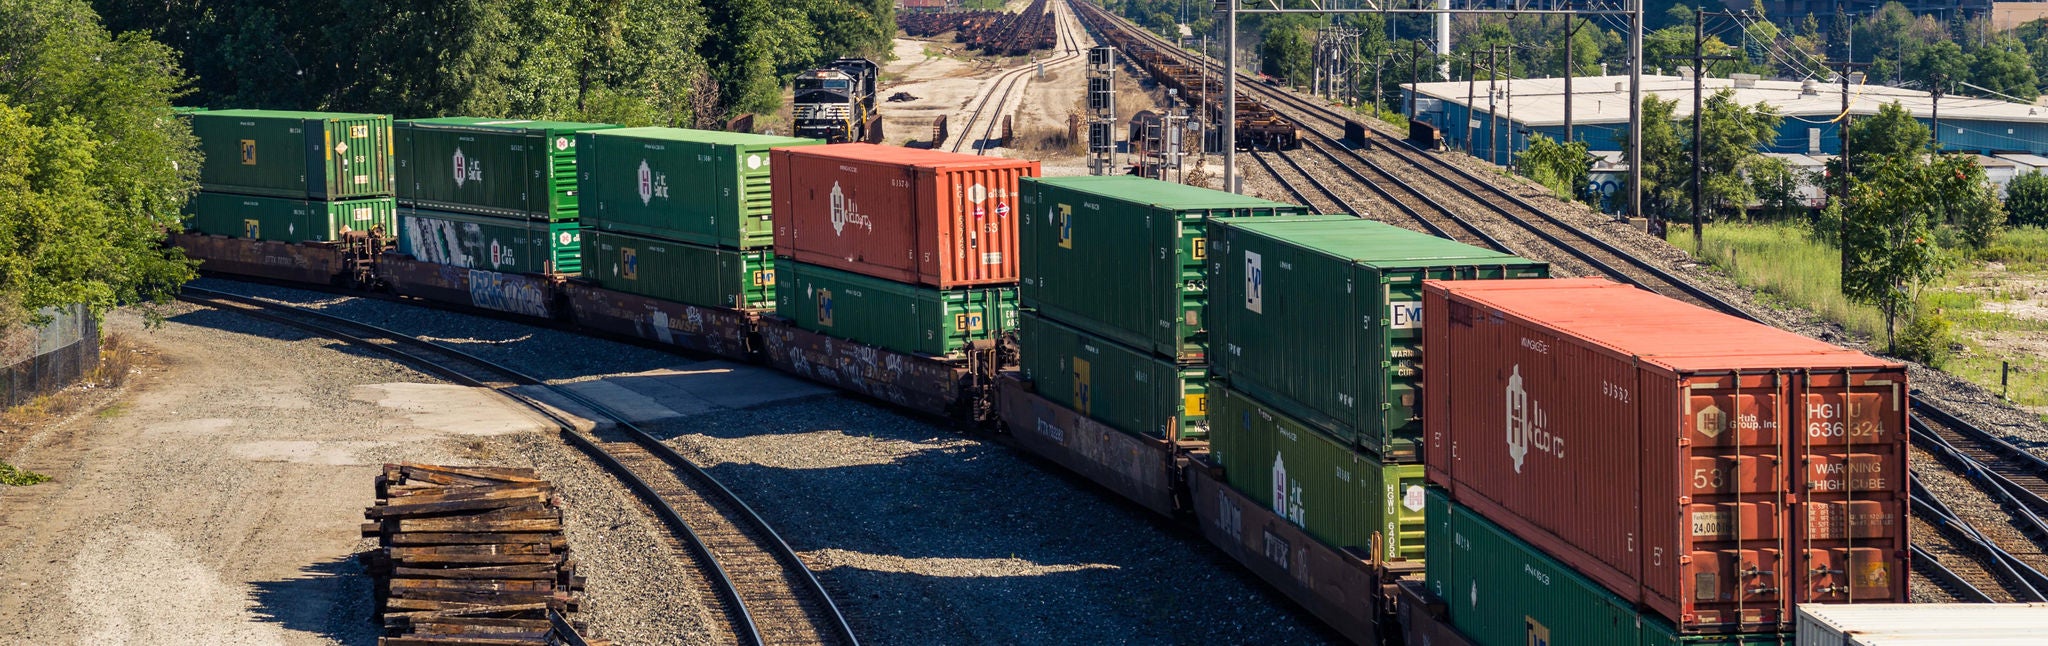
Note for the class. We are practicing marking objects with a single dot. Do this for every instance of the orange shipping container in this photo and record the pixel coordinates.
(902, 214)
(1712, 470)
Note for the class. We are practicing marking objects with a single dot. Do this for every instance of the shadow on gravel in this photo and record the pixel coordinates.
(242, 324)
(330, 599)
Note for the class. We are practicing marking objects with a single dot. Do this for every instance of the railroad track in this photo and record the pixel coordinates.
(1006, 83)
(761, 589)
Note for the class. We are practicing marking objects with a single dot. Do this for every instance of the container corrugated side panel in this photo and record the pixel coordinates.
(679, 272)
(697, 186)
(1883, 624)
(252, 153)
(1126, 388)
(913, 319)
(506, 245)
(754, 219)
(1339, 495)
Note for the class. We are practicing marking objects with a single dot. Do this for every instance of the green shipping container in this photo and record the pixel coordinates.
(1321, 316)
(284, 219)
(1341, 496)
(509, 245)
(912, 319)
(679, 271)
(1129, 389)
(1126, 257)
(503, 167)
(698, 186)
(306, 155)
(1502, 591)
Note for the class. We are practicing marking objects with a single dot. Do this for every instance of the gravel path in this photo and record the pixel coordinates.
(922, 535)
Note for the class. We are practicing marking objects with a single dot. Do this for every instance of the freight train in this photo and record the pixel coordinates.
(1413, 438)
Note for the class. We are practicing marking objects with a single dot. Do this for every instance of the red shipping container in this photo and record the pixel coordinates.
(902, 214)
(1712, 470)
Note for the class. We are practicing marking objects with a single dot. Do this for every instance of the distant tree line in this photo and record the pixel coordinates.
(665, 62)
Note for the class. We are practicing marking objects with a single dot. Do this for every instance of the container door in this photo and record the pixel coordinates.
(1851, 437)
(1730, 484)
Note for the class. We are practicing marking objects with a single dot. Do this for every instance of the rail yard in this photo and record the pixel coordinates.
(669, 386)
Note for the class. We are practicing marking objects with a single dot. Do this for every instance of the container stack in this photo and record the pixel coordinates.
(1316, 324)
(1113, 293)
(909, 250)
(493, 194)
(291, 176)
(1632, 469)
(681, 215)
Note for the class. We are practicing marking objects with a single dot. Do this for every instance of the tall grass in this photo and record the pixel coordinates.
(1783, 262)
(2024, 249)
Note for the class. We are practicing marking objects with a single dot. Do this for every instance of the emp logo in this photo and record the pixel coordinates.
(1254, 283)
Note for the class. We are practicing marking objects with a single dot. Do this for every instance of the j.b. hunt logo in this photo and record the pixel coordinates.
(845, 212)
(1527, 425)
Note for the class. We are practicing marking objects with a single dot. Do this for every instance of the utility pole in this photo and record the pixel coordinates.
(1509, 89)
(1635, 111)
(1934, 133)
(1699, 73)
(1571, 32)
(1492, 115)
(1230, 97)
(1843, 234)
(1414, 74)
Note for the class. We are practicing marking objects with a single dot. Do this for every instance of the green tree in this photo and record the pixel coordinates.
(93, 166)
(2026, 200)
(2003, 67)
(1729, 135)
(1892, 133)
(1286, 52)
(1940, 65)
(1776, 185)
(1888, 241)
(1563, 168)
(1665, 171)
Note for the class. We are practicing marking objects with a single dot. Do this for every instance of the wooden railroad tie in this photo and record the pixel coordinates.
(470, 556)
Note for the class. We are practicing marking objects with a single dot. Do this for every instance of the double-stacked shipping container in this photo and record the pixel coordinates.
(1315, 337)
(909, 250)
(1705, 471)
(291, 176)
(1114, 287)
(681, 215)
(494, 194)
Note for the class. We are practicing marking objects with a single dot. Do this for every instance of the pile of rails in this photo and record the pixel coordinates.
(909, 250)
(468, 554)
(293, 177)
(993, 32)
(1258, 125)
(493, 194)
(1638, 470)
(681, 215)
(929, 24)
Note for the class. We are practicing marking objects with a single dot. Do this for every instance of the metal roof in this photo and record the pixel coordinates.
(1604, 99)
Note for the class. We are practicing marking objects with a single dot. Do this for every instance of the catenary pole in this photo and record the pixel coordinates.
(1229, 111)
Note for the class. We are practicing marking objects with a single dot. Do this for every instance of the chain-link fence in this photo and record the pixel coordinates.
(41, 360)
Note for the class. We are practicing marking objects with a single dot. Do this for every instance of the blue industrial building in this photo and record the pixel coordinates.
(1504, 115)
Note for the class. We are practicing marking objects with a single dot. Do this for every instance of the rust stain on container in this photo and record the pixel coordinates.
(902, 214)
(1714, 470)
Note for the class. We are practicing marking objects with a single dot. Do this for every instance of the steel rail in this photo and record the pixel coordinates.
(1948, 578)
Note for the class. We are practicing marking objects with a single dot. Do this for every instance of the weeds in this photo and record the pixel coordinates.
(13, 476)
(1783, 261)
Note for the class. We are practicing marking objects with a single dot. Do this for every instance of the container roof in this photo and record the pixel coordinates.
(1604, 99)
(909, 156)
(1167, 195)
(716, 137)
(288, 114)
(1654, 328)
(522, 125)
(1369, 243)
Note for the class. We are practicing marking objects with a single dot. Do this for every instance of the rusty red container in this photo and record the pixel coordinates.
(902, 214)
(1709, 469)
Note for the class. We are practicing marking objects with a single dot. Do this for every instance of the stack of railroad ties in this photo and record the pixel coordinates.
(292, 177)
(469, 555)
(1605, 465)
